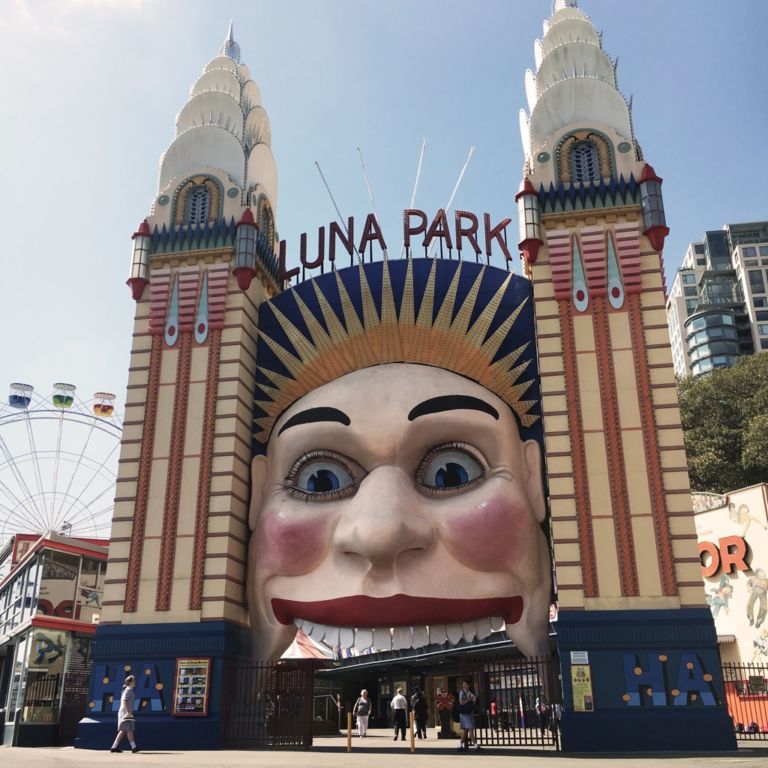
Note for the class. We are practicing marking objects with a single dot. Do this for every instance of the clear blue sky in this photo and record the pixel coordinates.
(91, 89)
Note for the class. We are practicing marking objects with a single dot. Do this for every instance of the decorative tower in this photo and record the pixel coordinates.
(203, 260)
(637, 646)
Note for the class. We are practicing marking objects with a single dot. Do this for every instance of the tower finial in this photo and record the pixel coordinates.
(229, 47)
(559, 5)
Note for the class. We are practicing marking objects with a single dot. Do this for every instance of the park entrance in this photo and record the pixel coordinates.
(290, 702)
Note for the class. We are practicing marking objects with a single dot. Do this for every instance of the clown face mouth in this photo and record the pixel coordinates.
(398, 622)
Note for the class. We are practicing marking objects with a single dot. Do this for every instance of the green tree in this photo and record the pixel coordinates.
(725, 421)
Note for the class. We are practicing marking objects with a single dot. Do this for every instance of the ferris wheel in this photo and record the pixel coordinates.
(58, 462)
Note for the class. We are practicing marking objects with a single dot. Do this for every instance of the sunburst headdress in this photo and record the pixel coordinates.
(473, 320)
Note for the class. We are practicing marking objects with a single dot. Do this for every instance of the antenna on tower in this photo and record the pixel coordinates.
(416, 182)
(338, 212)
(455, 188)
(370, 193)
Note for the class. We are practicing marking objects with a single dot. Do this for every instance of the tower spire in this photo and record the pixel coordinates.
(229, 47)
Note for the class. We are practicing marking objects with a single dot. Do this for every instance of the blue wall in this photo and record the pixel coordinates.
(656, 682)
(151, 650)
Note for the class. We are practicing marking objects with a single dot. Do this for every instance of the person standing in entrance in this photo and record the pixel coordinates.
(444, 703)
(125, 723)
(420, 712)
(467, 701)
(399, 706)
(362, 711)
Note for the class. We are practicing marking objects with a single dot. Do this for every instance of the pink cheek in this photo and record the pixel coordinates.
(493, 535)
(290, 548)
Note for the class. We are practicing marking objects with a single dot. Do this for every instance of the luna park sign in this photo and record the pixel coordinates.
(463, 232)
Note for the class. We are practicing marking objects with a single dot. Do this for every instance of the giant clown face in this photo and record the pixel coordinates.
(397, 506)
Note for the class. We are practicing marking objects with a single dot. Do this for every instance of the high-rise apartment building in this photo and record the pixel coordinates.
(717, 308)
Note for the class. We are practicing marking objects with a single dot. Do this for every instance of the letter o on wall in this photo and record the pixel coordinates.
(708, 548)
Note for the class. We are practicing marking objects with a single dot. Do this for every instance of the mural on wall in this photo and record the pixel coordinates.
(151, 681)
(733, 544)
(398, 483)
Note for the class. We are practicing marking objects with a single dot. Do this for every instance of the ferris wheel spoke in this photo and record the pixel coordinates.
(18, 475)
(95, 520)
(38, 476)
(95, 473)
(19, 514)
(57, 459)
(61, 514)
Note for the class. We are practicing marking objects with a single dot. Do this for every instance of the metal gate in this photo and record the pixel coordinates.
(746, 696)
(518, 700)
(268, 704)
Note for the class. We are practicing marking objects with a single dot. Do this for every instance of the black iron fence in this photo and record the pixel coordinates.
(268, 704)
(518, 701)
(746, 695)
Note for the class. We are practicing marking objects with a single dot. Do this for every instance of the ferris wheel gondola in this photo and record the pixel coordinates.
(58, 462)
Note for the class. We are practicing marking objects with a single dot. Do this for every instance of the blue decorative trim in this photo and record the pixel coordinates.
(219, 234)
(593, 194)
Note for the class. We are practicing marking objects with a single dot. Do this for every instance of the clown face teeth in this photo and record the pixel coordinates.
(497, 623)
(332, 636)
(382, 638)
(420, 637)
(483, 628)
(455, 632)
(317, 631)
(363, 639)
(437, 634)
(305, 626)
(346, 637)
(401, 638)
(468, 629)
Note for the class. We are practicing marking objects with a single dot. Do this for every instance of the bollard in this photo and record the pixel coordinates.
(349, 731)
(410, 722)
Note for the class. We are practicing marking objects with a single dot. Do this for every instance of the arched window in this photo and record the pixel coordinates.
(198, 205)
(584, 161)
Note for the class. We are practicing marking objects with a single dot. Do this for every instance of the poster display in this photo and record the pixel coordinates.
(581, 683)
(193, 680)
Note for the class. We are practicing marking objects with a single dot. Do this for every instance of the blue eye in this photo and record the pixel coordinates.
(322, 476)
(446, 469)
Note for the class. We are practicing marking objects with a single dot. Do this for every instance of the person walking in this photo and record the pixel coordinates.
(444, 703)
(126, 725)
(466, 705)
(362, 711)
(420, 712)
(399, 706)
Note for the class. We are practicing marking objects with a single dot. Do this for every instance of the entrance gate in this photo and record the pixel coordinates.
(268, 704)
(746, 696)
(519, 688)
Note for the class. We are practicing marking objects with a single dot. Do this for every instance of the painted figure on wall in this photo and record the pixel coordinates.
(742, 516)
(720, 597)
(758, 589)
(398, 494)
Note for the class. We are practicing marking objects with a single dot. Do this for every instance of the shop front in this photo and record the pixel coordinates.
(50, 601)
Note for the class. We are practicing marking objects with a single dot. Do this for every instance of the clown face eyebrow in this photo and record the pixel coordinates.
(312, 415)
(452, 403)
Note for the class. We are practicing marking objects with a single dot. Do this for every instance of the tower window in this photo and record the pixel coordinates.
(584, 162)
(198, 206)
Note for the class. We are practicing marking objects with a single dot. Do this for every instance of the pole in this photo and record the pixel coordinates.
(410, 723)
(349, 731)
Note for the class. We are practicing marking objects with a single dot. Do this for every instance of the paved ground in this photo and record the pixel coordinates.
(373, 752)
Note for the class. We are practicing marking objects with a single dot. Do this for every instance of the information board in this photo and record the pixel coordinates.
(193, 681)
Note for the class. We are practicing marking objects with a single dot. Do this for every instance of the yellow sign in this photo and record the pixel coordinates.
(581, 683)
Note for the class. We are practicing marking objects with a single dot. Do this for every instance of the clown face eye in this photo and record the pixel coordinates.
(449, 468)
(321, 477)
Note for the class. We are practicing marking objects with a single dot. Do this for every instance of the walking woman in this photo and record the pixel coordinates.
(362, 711)
(125, 723)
